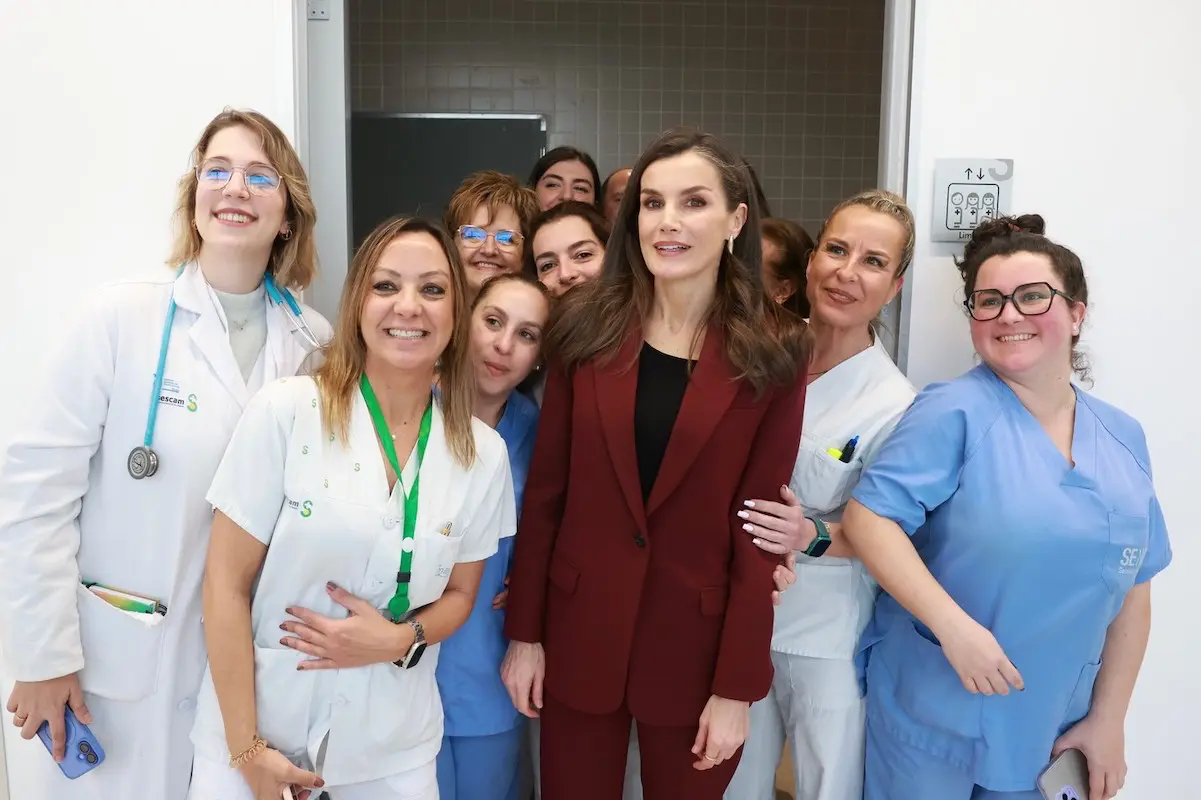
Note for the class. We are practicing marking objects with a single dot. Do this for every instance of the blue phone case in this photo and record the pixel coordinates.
(83, 752)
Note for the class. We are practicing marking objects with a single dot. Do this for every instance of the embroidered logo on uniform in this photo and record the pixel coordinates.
(170, 396)
(305, 507)
(1132, 558)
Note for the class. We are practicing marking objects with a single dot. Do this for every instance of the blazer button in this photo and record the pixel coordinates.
(638, 540)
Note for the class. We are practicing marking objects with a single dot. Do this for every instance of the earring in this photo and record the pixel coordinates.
(730, 244)
(286, 235)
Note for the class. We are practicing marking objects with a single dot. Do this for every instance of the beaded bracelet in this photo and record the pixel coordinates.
(256, 747)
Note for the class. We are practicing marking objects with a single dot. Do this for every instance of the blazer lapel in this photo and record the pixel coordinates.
(710, 391)
(615, 386)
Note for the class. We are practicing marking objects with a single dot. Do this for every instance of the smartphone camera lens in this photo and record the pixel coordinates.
(85, 748)
(92, 758)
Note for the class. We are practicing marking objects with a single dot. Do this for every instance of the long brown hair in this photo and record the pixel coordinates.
(765, 344)
(338, 377)
(293, 260)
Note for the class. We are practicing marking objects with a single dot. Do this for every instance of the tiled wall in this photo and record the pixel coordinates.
(793, 85)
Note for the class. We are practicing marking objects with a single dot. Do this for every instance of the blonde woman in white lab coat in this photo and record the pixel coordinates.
(79, 501)
(334, 570)
(856, 396)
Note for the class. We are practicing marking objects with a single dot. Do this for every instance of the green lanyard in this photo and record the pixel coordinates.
(399, 603)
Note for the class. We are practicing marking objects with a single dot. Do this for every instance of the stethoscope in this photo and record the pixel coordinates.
(143, 461)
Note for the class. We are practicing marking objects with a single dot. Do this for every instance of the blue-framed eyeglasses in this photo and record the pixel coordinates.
(474, 236)
(215, 173)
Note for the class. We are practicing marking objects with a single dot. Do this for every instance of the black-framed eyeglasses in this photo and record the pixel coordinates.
(1030, 299)
(215, 173)
(474, 236)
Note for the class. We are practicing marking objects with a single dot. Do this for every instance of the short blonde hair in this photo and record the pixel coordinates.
(494, 190)
(883, 202)
(293, 261)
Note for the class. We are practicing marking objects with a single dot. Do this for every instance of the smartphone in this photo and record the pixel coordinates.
(83, 751)
(1066, 778)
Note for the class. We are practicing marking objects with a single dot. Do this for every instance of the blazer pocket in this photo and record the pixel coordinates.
(563, 575)
(713, 601)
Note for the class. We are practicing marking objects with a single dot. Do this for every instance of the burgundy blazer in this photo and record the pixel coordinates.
(664, 603)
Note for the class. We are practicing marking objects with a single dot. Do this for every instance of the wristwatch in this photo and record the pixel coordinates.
(821, 542)
(411, 658)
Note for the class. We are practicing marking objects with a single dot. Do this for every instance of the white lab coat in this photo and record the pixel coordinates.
(815, 698)
(69, 511)
(324, 510)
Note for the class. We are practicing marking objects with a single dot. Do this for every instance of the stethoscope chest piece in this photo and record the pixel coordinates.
(142, 463)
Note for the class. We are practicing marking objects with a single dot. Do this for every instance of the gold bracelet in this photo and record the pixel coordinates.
(256, 747)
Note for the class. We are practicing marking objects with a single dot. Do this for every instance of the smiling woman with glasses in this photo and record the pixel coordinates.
(489, 216)
(1013, 525)
(105, 485)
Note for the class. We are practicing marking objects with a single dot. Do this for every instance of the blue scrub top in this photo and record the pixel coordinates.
(1038, 551)
(473, 698)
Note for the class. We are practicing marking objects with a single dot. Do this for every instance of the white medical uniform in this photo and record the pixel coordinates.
(69, 511)
(815, 699)
(325, 513)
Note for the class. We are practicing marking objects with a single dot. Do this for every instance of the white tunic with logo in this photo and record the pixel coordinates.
(325, 513)
(823, 615)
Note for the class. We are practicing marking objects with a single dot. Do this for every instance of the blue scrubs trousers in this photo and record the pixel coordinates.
(480, 767)
(896, 770)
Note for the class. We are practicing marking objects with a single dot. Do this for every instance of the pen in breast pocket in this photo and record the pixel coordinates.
(846, 453)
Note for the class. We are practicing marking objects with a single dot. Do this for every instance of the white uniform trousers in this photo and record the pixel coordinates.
(212, 780)
(815, 704)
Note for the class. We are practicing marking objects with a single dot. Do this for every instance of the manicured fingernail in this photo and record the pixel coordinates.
(331, 586)
(756, 541)
(749, 503)
(319, 784)
(284, 642)
(290, 611)
(744, 514)
(283, 626)
(749, 528)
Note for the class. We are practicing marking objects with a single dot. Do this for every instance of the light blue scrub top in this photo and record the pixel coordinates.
(1040, 553)
(473, 698)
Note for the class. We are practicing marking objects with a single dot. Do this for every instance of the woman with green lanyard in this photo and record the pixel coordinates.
(353, 514)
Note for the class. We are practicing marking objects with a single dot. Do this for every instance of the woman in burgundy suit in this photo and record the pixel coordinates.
(675, 390)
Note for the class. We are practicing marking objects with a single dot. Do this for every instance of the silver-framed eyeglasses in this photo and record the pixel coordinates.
(260, 179)
(474, 236)
(1030, 300)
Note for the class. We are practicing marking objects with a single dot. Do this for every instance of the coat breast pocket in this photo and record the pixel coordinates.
(821, 482)
(1128, 538)
(437, 549)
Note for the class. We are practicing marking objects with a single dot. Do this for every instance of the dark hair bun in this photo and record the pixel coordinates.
(1000, 227)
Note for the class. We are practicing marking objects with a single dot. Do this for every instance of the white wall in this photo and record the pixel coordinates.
(326, 112)
(1097, 102)
(102, 105)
